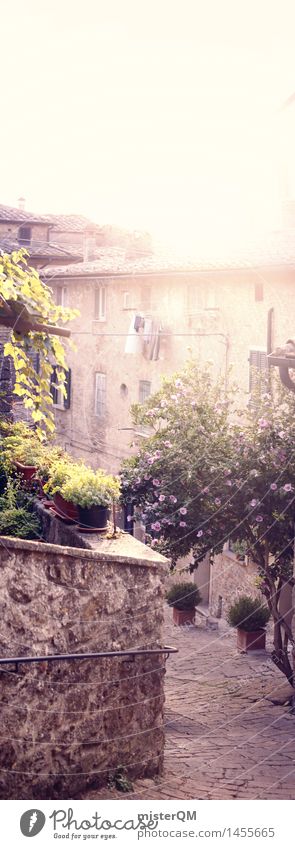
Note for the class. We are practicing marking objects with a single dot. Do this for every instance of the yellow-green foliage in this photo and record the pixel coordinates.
(21, 287)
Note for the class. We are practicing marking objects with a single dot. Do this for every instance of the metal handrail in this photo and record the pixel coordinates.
(4, 661)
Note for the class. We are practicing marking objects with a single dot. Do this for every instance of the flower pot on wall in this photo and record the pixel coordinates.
(94, 517)
(66, 508)
(27, 472)
(250, 640)
(184, 617)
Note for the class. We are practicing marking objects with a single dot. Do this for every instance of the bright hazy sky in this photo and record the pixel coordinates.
(155, 114)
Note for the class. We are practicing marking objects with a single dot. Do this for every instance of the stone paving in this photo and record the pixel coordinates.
(225, 738)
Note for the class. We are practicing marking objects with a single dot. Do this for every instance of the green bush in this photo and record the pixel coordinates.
(248, 613)
(19, 522)
(184, 596)
(16, 512)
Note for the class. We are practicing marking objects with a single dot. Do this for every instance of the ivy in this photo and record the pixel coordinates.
(23, 290)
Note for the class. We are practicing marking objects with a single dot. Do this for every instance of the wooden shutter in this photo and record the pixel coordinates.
(67, 400)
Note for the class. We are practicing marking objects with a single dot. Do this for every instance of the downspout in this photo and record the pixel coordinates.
(269, 343)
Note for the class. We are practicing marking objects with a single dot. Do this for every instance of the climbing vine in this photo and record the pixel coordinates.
(24, 295)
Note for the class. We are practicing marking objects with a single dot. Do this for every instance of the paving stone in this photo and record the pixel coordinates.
(229, 733)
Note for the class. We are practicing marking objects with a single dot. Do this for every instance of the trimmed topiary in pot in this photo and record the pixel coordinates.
(184, 596)
(248, 613)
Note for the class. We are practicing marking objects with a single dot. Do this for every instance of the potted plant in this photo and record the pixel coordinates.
(28, 454)
(93, 493)
(57, 475)
(249, 616)
(184, 598)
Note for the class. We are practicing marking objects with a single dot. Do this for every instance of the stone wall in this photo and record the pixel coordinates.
(69, 725)
(230, 578)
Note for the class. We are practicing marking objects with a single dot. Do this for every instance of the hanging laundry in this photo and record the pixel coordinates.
(151, 339)
(134, 339)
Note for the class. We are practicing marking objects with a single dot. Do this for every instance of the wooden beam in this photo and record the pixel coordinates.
(21, 326)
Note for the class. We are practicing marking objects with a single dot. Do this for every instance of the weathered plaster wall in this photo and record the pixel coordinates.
(198, 311)
(67, 725)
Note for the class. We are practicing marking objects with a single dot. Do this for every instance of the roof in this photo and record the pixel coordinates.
(40, 250)
(71, 223)
(12, 213)
(276, 250)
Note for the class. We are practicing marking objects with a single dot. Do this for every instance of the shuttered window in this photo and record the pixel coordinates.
(58, 398)
(100, 303)
(100, 394)
(144, 390)
(257, 371)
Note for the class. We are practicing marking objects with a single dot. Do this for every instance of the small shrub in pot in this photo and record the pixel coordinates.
(184, 598)
(249, 616)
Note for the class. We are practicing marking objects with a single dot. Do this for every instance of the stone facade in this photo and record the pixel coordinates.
(229, 578)
(219, 315)
(69, 725)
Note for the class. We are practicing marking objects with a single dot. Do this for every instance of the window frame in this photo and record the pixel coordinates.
(100, 314)
(142, 385)
(102, 402)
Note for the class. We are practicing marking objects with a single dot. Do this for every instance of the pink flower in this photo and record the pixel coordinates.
(200, 534)
(138, 480)
(288, 487)
(162, 497)
(263, 423)
(253, 502)
(156, 526)
(158, 455)
(178, 383)
(273, 486)
(150, 461)
(129, 518)
(163, 403)
(193, 403)
(217, 501)
(183, 511)
(167, 443)
(147, 477)
(259, 519)
(174, 398)
(154, 541)
(282, 433)
(182, 524)
(228, 483)
(172, 499)
(156, 482)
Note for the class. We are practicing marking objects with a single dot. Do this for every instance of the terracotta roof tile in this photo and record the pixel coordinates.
(275, 250)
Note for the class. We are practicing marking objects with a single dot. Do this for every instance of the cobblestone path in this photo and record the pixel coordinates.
(225, 739)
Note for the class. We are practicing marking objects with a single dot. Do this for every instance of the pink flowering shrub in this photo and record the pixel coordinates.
(216, 469)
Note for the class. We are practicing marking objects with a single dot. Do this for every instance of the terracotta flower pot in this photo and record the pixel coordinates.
(66, 508)
(94, 517)
(27, 472)
(183, 617)
(250, 640)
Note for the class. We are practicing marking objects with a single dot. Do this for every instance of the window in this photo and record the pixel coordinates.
(145, 298)
(259, 291)
(62, 296)
(100, 303)
(24, 235)
(59, 399)
(100, 394)
(257, 372)
(144, 390)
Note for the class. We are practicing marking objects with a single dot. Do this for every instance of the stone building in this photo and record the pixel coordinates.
(231, 311)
